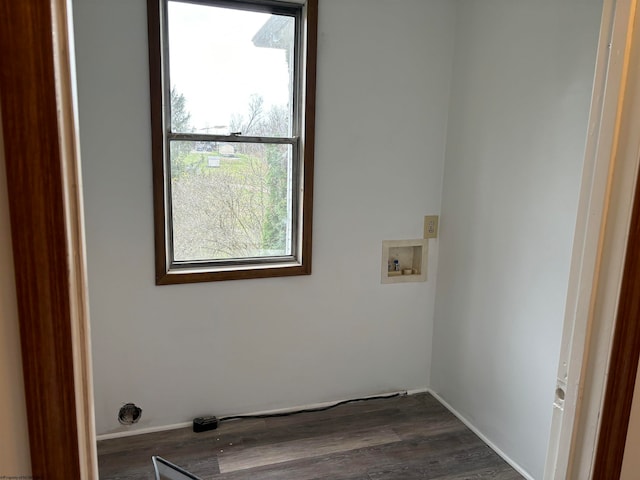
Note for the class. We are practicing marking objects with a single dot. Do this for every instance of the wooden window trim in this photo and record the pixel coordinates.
(167, 276)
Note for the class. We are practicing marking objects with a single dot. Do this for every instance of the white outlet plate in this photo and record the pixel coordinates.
(431, 226)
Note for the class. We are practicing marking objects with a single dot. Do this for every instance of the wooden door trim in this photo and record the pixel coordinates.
(623, 346)
(47, 237)
(623, 363)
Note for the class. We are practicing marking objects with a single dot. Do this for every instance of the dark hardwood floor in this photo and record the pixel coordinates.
(407, 437)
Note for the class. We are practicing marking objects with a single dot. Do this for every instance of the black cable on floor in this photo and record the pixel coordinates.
(311, 410)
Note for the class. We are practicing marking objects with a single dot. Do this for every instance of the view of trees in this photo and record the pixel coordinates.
(229, 200)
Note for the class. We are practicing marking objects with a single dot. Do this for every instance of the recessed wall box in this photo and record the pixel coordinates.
(411, 256)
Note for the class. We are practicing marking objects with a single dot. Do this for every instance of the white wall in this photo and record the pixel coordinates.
(522, 81)
(14, 439)
(179, 351)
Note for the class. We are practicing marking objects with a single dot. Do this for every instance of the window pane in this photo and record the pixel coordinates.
(230, 70)
(230, 200)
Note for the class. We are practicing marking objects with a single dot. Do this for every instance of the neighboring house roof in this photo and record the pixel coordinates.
(277, 32)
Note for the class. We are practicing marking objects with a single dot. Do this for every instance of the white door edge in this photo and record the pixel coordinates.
(604, 214)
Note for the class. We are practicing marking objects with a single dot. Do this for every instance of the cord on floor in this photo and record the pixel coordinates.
(311, 410)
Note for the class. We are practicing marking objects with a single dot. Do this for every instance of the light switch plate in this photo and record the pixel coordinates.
(431, 226)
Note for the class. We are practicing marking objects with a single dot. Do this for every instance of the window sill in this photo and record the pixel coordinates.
(233, 272)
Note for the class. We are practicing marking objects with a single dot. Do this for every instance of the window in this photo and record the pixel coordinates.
(232, 113)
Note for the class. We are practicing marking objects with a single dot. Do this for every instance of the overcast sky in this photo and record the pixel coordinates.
(216, 66)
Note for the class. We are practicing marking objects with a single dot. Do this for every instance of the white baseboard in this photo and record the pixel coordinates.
(417, 391)
(489, 443)
(142, 431)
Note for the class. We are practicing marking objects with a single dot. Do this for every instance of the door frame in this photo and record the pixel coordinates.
(596, 285)
(39, 123)
(45, 199)
(624, 348)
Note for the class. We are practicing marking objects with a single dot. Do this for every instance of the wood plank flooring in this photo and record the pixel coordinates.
(408, 437)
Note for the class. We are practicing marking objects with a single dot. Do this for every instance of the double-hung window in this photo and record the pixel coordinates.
(232, 111)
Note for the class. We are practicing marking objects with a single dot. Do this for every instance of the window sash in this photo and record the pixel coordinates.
(274, 8)
(206, 137)
(294, 10)
(295, 225)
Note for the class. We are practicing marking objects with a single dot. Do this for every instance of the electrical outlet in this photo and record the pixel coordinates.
(431, 226)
